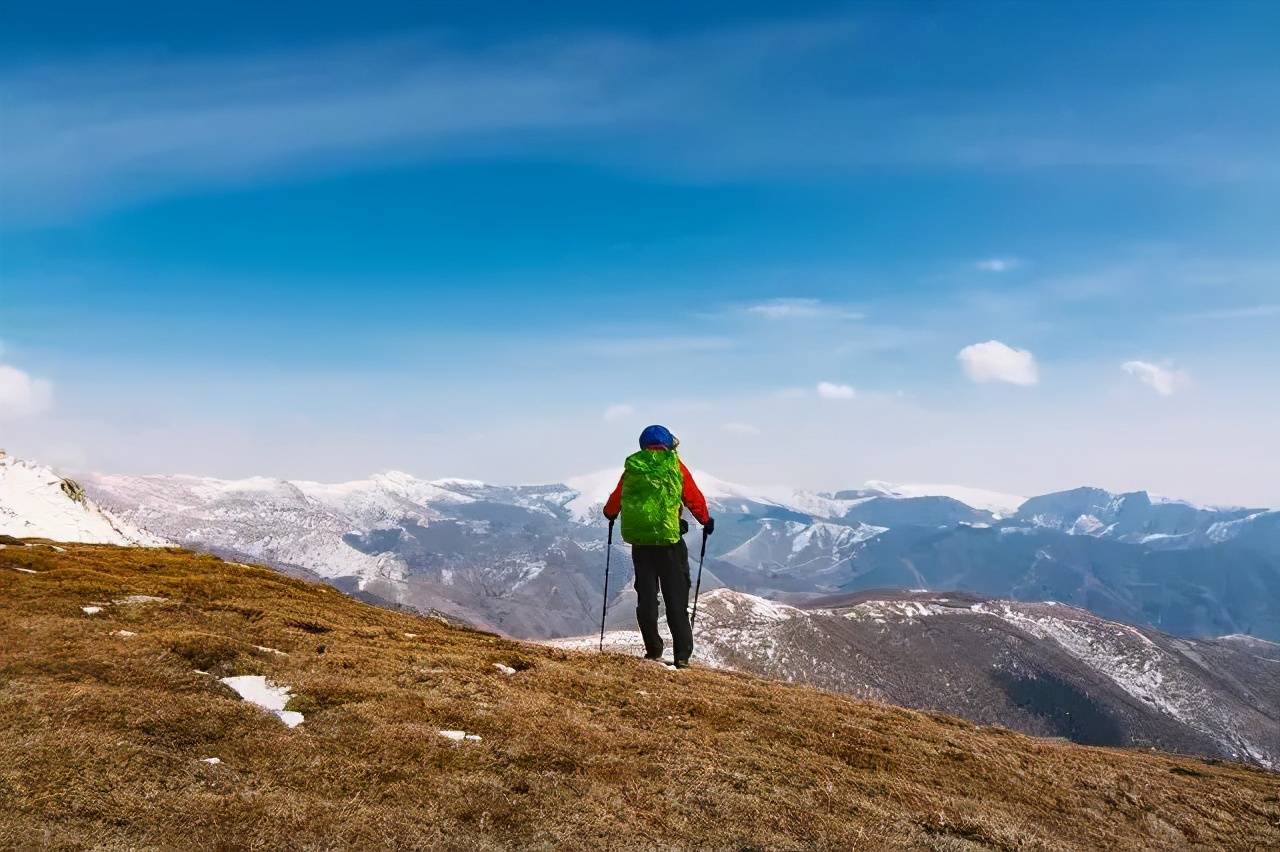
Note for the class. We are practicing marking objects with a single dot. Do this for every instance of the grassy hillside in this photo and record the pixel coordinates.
(108, 722)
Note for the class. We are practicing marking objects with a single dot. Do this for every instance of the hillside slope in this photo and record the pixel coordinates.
(1040, 668)
(113, 715)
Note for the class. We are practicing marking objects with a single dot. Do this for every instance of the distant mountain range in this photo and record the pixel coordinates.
(1042, 668)
(528, 560)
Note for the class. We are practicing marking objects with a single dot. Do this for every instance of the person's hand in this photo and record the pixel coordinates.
(684, 526)
(709, 527)
(608, 517)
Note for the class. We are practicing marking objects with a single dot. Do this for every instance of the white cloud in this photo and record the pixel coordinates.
(792, 308)
(830, 390)
(998, 264)
(621, 411)
(21, 395)
(740, 428)
(993, 361)
(1163, 380)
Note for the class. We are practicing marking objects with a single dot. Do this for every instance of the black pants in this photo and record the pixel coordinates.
(665, 565)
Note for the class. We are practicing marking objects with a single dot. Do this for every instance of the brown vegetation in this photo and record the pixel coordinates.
(104, 736)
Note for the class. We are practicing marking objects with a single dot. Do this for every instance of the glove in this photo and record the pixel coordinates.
(609, 519)
(684, 526)
(709, 527)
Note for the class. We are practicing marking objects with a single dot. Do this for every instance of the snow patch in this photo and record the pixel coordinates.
(459, 736)
(256, 689)
(882, 611)
(138, 599)
(1086, 525)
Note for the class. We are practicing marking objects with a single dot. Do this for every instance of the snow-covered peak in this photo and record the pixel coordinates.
(740, 606)
(593, 490)
(455, 482)
(715, 488)
(424, 491)
(995, 502)
(35, 502)
(829, 536)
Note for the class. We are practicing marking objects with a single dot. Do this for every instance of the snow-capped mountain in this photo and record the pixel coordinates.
(1133, 517)
(475, 551)
(1043, 668)
(527, 560)
(35, 502)
(801, 551)
(998, 504)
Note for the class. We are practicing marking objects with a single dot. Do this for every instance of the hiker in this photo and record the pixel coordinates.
(654, 485)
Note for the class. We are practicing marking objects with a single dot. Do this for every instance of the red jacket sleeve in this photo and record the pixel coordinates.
(613, 505)
(692, 496)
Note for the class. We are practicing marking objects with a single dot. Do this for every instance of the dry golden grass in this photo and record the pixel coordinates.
(104, 736)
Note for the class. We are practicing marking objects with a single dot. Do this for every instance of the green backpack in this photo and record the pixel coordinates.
(652, 489)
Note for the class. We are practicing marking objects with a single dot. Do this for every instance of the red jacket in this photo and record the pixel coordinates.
(690, 495)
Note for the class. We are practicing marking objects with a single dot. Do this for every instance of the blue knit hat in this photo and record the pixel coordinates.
(658, 436)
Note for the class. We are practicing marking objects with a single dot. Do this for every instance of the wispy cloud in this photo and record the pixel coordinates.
(994, 361)
(625, 347)
(1248, 312)
(1163, 380)
(796, 308)
(100, 131)
(105, 131)
(832, 390)
(22, 395)
(619, 412)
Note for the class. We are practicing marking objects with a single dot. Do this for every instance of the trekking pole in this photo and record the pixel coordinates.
(698, 587)
(608, 555)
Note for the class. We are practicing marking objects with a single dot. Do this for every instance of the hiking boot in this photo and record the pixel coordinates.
(682, 664)
(657, 656)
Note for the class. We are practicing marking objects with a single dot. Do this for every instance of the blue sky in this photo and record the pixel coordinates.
(496, 240)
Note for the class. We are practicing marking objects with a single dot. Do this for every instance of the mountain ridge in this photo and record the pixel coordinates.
(526, 560)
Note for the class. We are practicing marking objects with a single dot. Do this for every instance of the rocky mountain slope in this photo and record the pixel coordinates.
(158, 698)
(1042, 668)
(35, 501)
(527, 560)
